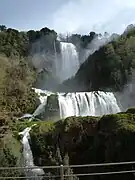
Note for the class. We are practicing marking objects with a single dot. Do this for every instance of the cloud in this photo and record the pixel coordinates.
(83, 16)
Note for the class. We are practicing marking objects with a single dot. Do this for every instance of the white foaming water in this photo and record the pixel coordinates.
(39, 109)
(84, 103)
(87, 104)
(68, 65)
(43, 94)
(28, 157)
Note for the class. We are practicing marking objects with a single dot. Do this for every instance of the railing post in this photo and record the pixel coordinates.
(61, 172)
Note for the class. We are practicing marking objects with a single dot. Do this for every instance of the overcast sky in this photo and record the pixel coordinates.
(81, 16)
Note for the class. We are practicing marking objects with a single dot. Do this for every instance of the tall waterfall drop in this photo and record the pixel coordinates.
(68, 64)
(82, 103)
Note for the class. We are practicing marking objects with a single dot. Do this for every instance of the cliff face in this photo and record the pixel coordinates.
(86, 140)
(75, 140)
(109, 68)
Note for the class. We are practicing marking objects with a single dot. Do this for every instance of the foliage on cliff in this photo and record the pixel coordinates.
(10, 148)
(19, 43)
(16, 81)
(75, 140)
(10, 155)
(110, 67)
(86, 140)
(17, 70)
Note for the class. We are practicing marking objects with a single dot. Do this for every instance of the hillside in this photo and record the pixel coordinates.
(110, 68)
(26, 61)
(18, 71)
(75, 140)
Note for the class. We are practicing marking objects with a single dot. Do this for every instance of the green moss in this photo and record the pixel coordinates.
(116, 122)
(79, 122)
(43, 127)
(131, 110)
(66, 134)
(86, 140)
(21, 125)
(18, 126)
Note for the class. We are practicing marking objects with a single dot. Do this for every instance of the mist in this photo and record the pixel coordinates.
(54, 67)
(127, 96)
(95, 45)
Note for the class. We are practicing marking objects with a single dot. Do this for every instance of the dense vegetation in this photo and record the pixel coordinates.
(76, 140)
(110, 67)
(79, 140)
(18, 73)
(86, 140)
(23, 66)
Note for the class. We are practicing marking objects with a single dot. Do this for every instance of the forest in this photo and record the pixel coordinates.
(109, 68)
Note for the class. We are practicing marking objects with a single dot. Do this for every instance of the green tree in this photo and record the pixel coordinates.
(3, 28)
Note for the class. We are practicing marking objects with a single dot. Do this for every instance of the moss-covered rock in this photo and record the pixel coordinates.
(131, 110)
(117, 122)
(52, 140)
(86, 140)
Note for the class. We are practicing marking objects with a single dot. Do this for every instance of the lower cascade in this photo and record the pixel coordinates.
(28, 157)
(81, 103)
(70, 104)
(87, 104)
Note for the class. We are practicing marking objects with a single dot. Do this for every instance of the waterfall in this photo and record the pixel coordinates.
(87, 104)
(43, 94)
(83, 103)
(68, 65)
(28, 157)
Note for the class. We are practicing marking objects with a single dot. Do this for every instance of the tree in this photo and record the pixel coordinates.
(3, 28)
(111, 67)
(92, 34)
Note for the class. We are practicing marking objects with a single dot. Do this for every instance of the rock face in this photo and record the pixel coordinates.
(52, 108)
(75, 140)
(87, 140)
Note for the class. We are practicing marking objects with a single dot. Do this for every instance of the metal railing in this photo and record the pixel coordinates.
(61, 168)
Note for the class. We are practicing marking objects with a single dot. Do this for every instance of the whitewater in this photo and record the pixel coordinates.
(70, 104)
(35, 172)
(68, 64)
(76, 103)
(80, 103)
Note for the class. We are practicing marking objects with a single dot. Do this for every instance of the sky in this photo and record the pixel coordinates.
(74, 16)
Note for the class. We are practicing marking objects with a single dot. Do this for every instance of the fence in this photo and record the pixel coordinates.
(61, 168)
